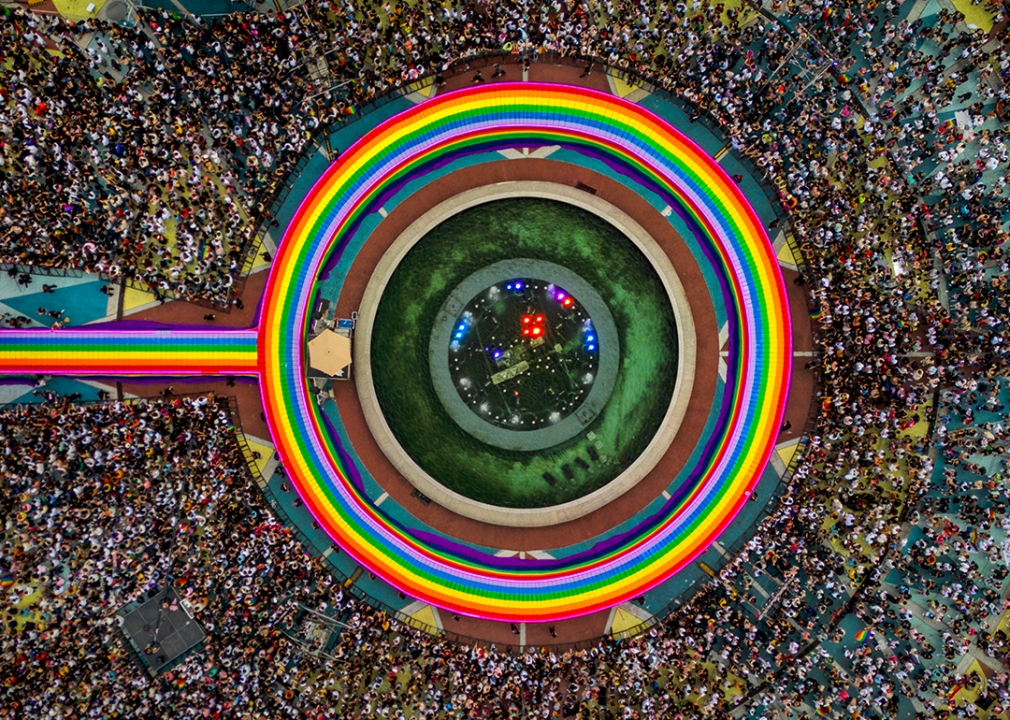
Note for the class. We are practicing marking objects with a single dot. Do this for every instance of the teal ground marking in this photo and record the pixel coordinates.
(301, 185)
(62, 386)
(12, 392)
(751, 188)
(350, 132)
(81, 302)
(374, 491)
(931, 8)
(398, 513)
(344, 564)
(707, 271)
(330, 287)
(690, 577)
(654, 506)
(299, 516)
(458, 163)
(330, 409)
(709, 141)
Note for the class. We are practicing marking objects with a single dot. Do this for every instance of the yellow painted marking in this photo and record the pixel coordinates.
(136, 298)
(1004, 622)
(265, 451)
(964, 695)
(974, 14)
(78, 7)
(624, 89)
(786, 255)
(623, 620)
(787, 453)
(921, 427)
(425, 618)
(260, 261)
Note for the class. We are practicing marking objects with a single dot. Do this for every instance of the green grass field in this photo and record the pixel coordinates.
(543, 230)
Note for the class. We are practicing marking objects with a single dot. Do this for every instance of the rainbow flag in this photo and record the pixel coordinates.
(6, 579)
(862, 635)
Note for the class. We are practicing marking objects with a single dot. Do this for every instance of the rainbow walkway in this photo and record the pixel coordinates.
(449, 575)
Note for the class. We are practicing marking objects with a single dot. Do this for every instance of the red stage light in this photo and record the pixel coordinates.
(527, 319)
(540, 318)
(568, 301)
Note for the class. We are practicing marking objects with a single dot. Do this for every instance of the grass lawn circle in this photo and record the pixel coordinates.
(539, 229)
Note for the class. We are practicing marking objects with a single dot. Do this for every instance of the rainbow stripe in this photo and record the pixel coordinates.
(108, 351)
(636, 143)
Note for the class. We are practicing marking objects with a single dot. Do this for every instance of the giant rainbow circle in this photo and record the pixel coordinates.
(635, 142)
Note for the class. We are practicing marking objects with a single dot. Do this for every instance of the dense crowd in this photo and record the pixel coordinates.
(144, 151)
(879, 577)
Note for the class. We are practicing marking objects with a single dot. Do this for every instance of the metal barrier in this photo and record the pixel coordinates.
(44, 271)
(660, 617)
(310, 547)
(280, 196)
(474, 60)
(471, 62)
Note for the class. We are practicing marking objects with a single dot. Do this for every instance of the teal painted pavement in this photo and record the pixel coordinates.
(685, 583)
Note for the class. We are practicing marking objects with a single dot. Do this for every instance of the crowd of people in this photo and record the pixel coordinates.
(147, 151)
(876, 587)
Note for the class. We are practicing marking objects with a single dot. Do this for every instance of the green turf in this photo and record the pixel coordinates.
(544, 230)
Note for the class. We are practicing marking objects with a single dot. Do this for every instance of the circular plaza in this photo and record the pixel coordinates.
(542, 356)
(424, 361)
